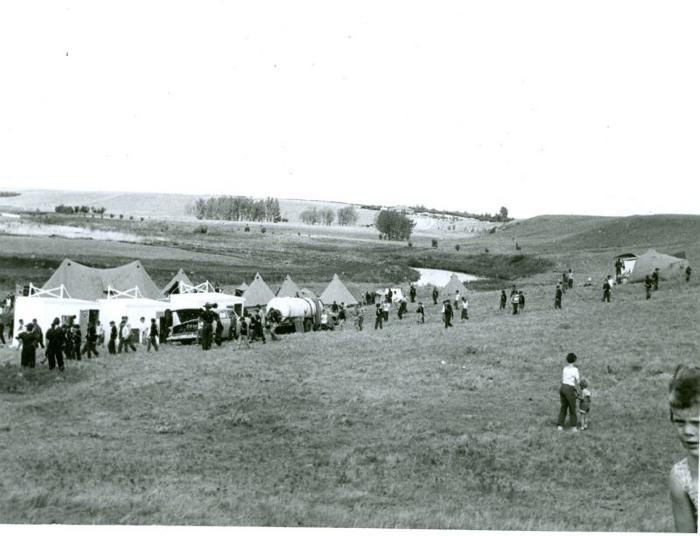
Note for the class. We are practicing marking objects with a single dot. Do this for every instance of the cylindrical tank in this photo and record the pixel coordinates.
(293, 307)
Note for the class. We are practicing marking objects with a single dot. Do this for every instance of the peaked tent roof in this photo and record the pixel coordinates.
(337, 292)
(288, 289)
(88, 283)
(453, 285)
(257, 293)
(174, 284)
(668, 265)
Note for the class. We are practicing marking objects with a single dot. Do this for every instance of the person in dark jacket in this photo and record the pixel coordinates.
(447, 314)
(77, 340)
(206, 316)
(687, 279)
(259, 328)
(420, 311)
(2, 332)
(39, 332)
(90, 341)
(521, 301)
(606, 291)
(55, 339)
(435, 295)
(412, 293)
(113, 333)
(504, 300)
(648, 284)
(218, 331)
(655, 278)
(557, 297)
(379, 318)
(68, 350)
(152, 336)
(29, 340)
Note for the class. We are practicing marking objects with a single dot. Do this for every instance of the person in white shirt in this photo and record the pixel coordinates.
(568, 392)
(143, 331)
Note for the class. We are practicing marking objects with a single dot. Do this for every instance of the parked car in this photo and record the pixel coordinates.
(187, 327)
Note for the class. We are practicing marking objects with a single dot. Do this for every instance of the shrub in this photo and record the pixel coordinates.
(263, 230)
(201, 229)
(457, 247)
(142, 218)
(247, 229)
(434, 242)
(410, 244)
(121, 216)
(131, 217)
(492, 230)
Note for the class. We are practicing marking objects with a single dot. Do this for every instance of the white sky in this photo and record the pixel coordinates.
(544, 107)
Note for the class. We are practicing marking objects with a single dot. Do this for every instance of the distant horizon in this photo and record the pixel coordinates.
(336, 201)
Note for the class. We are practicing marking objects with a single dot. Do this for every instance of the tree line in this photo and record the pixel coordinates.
(237, 208)
(79, 209)
(500, 216)
(326, 216)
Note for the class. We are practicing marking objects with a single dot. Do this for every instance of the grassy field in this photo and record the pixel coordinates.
(412, 426)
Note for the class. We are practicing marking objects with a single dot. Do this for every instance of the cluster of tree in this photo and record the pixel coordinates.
(237, 208)
(8, 194)
(500, 216)
(345, 216)
(394, 225)
(79, 209)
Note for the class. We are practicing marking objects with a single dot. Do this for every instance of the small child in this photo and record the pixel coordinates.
(684, 400)
(584, 405)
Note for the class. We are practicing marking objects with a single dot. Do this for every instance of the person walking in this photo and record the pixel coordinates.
(342, 315)
(113, 334)
(218, 331)
(259, 328)
(447, 314)
(655, 279)
(379, 317)
(77, 342)
(521, 301)
(360, 317)
(412, 293)
(54, 345)
(420, 311)
(386, 307)
(457, 300)
(504, 300)
(568, 391)
(206, 317)
(606, 291)
(39, 333)
(29, 340)
(152, 336)
(2, 332)
(124, 334)
(90, 341)
(100, 334)
(435, 295)
(648, 284)
(557, 297)
(570, 278)
(687, 279)
(465, 308)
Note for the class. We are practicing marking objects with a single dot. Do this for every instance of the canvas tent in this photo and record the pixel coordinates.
(288, 289)
(88, 283)
(453, 285)
(668, 265)
(258, 293)
(45, 305)
(115, 307)
(173, 287)
(337, 292)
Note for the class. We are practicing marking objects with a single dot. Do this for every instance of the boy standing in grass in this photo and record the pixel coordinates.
(606, 291)
(379, 318)
(504, 300)
(567, 393)
(557, 297)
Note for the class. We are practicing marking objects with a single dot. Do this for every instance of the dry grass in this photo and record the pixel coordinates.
(410, 426)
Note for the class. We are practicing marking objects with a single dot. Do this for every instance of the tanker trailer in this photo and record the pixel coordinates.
(295, 314)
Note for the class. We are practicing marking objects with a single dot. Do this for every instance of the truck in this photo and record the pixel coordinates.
(295, 314)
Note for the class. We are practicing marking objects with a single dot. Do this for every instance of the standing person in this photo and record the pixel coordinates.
(54, 345)
(218, 331)
(152, 336)
(20, 330)
(648, 286)
(570, 278)
(521, 301)
(124, 334)
(420, 311)
(412, 293)
(584, 406)
(77, 341)
(567, 393)
(360, 317)
(39, 333)
(399, 311)
(29, 340)
(557, 297)
(334, 307)
(618, 269)
(245, 330)
(113, 333)
(687, 278)
(458, 300)
(379, 317)
(100, 334)
(465, 308)
(342, 315)
(130, 335)
(386, 307)
(447, 313)
(565, 280)
(258, 329)
(91, 341)
(206, 317)
(504, 300)
(68, 349)
(435, 295)
(389, 295)
(143, 331)
(515, 302)
(684, 402)
(606, 291)
(655, 278)
(2, 332)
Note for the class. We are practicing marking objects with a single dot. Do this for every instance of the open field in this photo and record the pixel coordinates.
(410, 426)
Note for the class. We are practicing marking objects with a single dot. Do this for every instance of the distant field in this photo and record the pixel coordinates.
(409, 427)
